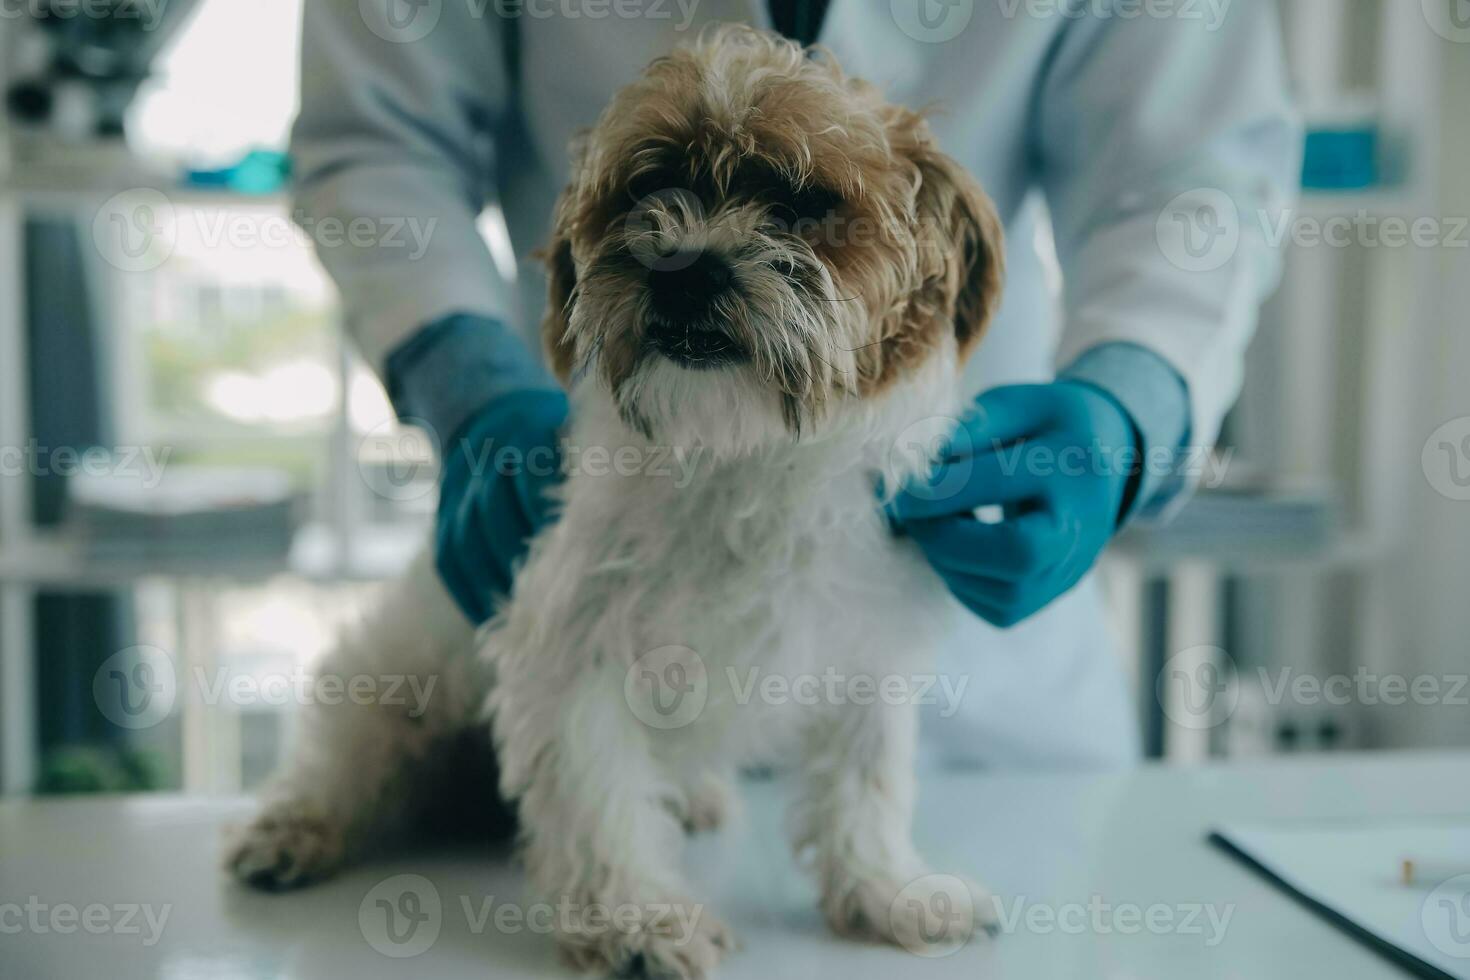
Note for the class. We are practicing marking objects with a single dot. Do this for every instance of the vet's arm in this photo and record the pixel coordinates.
(1133, 114)
(1167, 148)
(395, 145)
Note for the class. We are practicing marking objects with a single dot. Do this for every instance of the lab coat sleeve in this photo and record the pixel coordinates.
(1168, 149)
(1157, 402)
(393, 155)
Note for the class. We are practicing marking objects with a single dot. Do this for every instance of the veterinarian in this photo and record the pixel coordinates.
(1145, 141)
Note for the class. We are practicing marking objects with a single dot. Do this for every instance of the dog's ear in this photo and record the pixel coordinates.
(561, 284)
(960, 239)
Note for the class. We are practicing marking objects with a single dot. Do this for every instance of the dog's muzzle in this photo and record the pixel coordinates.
(685, 288)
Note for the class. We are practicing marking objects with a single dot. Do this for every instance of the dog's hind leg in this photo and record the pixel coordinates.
(386, 706)
(853, 818)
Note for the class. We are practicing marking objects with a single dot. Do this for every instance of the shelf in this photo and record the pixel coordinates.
(59, 559)
(1376, 202)
(1242, 532)
(60, 195)
(49, 174)
(64, 189)
(1158, 552)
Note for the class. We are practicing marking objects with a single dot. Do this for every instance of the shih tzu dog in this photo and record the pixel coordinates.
(763, 266)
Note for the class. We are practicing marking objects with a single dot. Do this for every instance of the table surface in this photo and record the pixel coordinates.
(1099, 876)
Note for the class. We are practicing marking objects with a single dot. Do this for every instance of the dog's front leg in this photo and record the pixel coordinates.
(601, 842)
(853, 821)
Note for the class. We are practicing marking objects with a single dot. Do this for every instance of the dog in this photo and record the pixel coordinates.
(761, 268)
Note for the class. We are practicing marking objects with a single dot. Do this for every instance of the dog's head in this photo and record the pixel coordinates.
(750, 238)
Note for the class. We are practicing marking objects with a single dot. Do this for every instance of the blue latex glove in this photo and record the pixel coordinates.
(492, 498)
(1061, 459)
(474, 377)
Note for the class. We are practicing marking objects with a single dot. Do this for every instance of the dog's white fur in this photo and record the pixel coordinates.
(770, 553)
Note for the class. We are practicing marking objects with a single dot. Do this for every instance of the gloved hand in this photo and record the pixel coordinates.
(492, 498)
(473, 376)
(1061, 459)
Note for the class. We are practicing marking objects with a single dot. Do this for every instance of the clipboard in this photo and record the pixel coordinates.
(1347, 874)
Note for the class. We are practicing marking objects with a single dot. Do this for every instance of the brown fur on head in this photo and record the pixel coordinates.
(746, 208)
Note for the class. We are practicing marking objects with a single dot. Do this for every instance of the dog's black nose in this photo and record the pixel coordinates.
(685, 283)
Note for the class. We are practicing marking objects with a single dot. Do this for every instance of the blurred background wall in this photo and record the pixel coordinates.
(198, 481)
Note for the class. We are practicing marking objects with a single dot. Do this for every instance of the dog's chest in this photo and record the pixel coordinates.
(790, 575)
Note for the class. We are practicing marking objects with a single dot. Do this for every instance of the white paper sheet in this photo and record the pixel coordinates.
(1356, 870)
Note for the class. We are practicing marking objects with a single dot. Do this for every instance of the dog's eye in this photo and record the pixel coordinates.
(805, 207)
(648, 183)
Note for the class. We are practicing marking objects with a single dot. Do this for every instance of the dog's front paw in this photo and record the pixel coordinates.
(286, 846)
(706, 804)
(673, 941)
(924, 914)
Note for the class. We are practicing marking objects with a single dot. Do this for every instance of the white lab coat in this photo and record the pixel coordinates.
(1099, 119)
